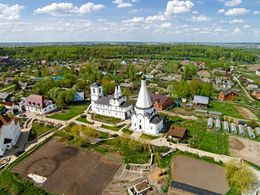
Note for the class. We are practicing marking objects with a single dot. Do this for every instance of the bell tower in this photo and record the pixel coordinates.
(96, 92)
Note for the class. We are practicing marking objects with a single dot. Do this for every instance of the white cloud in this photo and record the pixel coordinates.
(177, 7)
(122, 4)
(256, 12)
(220, 29)
(200, 18)
(10, 12)
(156, 18)
(56, 9)
(166, 25)
(195, 12)
(232, 3)
(236, 21)
(236, 31)
(236, 11)
(246, 26)
(221, 11)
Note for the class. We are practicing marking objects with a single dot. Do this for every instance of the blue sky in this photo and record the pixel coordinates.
(130, 20)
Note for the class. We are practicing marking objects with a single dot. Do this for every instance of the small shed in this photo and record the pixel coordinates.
(177, 133)
(202, 101)
(217, 124)
(233, 128)
(226, 126)
(250, 132)
(241, 130)
(210, 123)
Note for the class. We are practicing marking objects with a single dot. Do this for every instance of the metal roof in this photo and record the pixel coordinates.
(201, 100)
(233, 128)
(217, 124)
(226, 126)
(250, 132)
(241, 129)
(210, 122)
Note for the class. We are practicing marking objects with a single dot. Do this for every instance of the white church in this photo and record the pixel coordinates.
(145, 118)
(112, 106)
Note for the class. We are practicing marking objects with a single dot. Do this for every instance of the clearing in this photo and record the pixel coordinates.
(194, 172)
(244, 148)
(246, 113)
(226, 108)
(70, 170)
(72, 111)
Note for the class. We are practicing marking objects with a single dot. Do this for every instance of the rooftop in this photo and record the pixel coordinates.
(201, 100)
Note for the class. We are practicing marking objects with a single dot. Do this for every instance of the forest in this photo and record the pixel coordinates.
(108, 51)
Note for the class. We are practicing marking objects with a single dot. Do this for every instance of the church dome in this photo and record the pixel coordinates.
(144, 100)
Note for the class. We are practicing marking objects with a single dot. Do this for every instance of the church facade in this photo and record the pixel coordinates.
(145, 118)
(115, 105)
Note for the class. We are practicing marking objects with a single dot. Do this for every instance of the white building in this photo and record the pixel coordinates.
(37, 104)
(112, 106)
(145, 119)
(9, 133)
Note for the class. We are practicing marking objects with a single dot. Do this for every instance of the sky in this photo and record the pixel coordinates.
(130, 20)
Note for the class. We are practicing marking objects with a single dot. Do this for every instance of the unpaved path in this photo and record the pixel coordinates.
(246, 113)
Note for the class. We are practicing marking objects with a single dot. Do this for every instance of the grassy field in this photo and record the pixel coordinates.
(38, 128)
(201, 138)
(72, 111)
(12, 184)
(127, 131)
(171, 66)
(226, 108)
(106, 119)
(133, 152)
(113, 128)
(84, 120)
(150, 137)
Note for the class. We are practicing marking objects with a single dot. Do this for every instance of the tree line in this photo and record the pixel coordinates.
(163, 51)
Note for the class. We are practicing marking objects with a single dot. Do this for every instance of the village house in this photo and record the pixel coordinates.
(161, 102)
(228, 76)
(9, 133)
(112, 105)
(256, 93)
(177, 133)
(252, 87)
(228, 95)
(37, 104)
(201, 101)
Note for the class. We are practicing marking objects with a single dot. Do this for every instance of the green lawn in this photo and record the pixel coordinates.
(150, 137)
(113, 128)
(171, 66)
(38, 128)
(127, 131)
(72, 111)
(106, 119)
(226, 108)
(84, 120)
(201, 138)
(10, 183)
